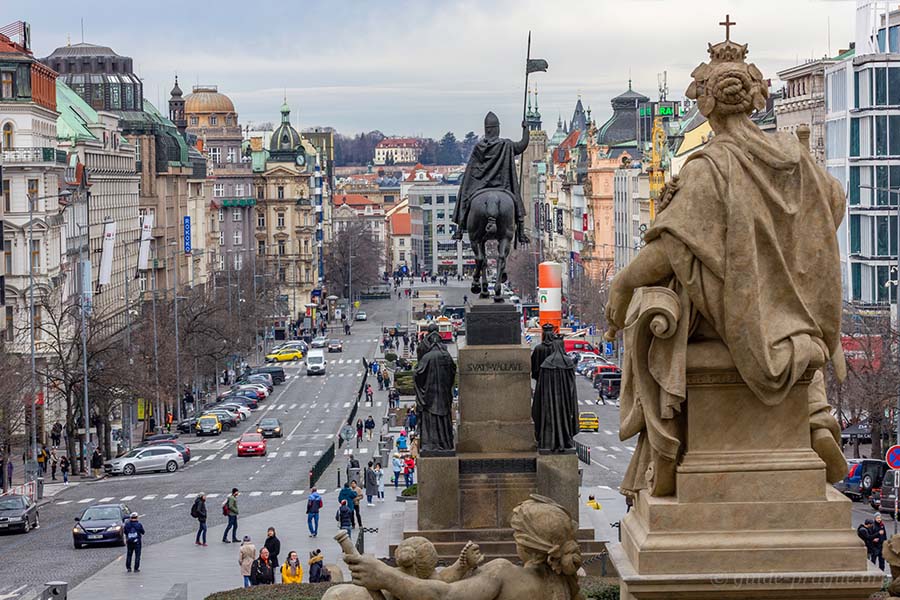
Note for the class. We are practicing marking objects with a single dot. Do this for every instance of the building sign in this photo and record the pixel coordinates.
(559, 221)
(863, 352)
(187, 234)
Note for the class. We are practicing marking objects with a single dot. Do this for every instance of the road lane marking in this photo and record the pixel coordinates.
(346, 405)
(608, 432)
(287, 454)
(226, 456)
(126, 498)
(149, 497)
(281, 406)
(276, 493)
(254, 494)
(212, 495)
(107, 499)
(301, 453)
(599, 465)
(600, 448)
(64, 502)
(85, 501)
(615, 449)
(297, 493)
(190, 495)
(170, 496)
(210, 457)
(292, 407)
(318, 453)
(273, 455)
(297, 426)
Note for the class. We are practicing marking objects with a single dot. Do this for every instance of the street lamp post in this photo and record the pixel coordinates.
(155, 338)
(177, 342)
(85, 287)
(31, 201)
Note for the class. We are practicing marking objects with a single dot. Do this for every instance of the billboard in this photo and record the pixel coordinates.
(862, 351)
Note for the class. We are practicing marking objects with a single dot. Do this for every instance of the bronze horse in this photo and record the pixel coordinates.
(492, 216)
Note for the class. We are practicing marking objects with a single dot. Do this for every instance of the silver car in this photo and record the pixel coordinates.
(141, 460)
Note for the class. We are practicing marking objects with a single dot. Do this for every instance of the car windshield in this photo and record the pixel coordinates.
(12, 503)
(208, 419)
(102, 514)
(269, 423)
(251, 437)
(133, 453)
(316, 359)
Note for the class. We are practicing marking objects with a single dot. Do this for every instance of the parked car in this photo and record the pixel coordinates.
(251, 394)
(270, 427)
(315, 362)
(262, 392)
(18, 513)
(161, 436)
(608, 385)
(361, 315)
(319, 342)
(600, 369)
(251, 444)
(335, 346)
(259, 378)
(188, 425)
(580, 344)
(251, 403)
(276, 372)
(209, 425)
(227, 418)
(242, 409)
(865, 475)
(142, 460)
(284, 355)
(588, 421)
(185, 451)
(100, 524)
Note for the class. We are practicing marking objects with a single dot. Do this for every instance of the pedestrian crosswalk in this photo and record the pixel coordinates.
(188, 496)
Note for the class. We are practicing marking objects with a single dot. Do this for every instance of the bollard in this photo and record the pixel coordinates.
(40, 488)
(58, 590)
(339, 477)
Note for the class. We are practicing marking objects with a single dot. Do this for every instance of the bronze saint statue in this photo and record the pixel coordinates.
(542, 350)
(490, 206)
(434, 378)
(554, 409)
(745, 244)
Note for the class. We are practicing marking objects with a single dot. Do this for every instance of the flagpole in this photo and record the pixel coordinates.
(524, 105)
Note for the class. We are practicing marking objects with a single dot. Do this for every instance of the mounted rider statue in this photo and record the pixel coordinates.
(492, 166)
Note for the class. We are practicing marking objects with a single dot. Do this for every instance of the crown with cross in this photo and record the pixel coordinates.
(727, 51)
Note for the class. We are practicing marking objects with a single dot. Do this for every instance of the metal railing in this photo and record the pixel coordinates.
(361, 538)
(318, 469)
(34, 154)
(584, 452)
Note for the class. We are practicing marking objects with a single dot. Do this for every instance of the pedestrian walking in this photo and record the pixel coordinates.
(230, 510)
(371, 482)
(346, 328)
(317, 571)
(313, 505)
(246, 557)
(592, 503)
(412, 419)
(63, 468)
(56, 434)
(402, 441)
(397, 466)
(134, 531)
(380, 377)
(273, 545)
(379, 480)
(292, 570)
(879, 535)
(349, 495)
(369, 393)
(54, 464)
(198, 511)
(359, 431)
(42, 460)
(409, 470)
(357, 498)
(344, 517)
(370, 427)
(96, 463)
(387, 380)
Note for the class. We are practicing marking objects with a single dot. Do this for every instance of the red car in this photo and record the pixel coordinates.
(251, 444)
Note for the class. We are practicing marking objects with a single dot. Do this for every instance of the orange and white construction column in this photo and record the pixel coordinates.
(550, 293)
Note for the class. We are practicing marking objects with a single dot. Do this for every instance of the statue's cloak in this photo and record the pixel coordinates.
(491, 165)
(554, 409)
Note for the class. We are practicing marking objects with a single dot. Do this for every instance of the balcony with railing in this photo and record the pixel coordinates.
(35, 155)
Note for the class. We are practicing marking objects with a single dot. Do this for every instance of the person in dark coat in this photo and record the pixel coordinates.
(273, 545)
(134, 533)
(864, 531)
(261, 572)
(198, 511)
(555, 406)
(371, 481)
(542, 350)
(317, 571)
(878, 536)
(344, 517)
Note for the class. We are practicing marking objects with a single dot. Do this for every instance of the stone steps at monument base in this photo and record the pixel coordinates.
(480, 535)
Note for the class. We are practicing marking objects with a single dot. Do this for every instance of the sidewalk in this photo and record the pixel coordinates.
(178, 562)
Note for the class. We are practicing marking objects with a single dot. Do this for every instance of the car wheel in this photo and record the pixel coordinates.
(122, 540)
(867, 481)
(171, 466)
(27, 527)
(77, 545)
(128, 470)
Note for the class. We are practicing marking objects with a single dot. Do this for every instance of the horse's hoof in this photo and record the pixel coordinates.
(484, 295)
(476, 288)
(503, 277)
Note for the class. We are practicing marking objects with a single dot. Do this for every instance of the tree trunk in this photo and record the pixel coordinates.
(876, 450)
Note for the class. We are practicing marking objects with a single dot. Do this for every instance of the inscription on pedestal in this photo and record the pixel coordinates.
(497, 465)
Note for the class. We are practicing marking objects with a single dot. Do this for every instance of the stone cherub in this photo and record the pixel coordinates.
(416, 557)
(545, 541)
(746, 240)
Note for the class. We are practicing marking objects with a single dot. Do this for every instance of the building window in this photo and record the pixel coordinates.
(7, 85)
(213, 120)
(236, 215)
(9, 329)
(281, 192)
(281, 274)
(33, 188)
(855, 238)
(260, 192)
(440, 214)
(7, 257)
(881, 86)
(215, 154)
(232, 155)
(261, 220)
(402, 255)
(142, 281)
(36, 255)
(7, 197)
(402, 242)
(221, 238)
(238, 237)
(280, 223)
(238, 261)
(281, 248)
(8, 136)
(261, 247)
(439, 200)
(426, 200)
(194, 121)
(239, 190)
(37, 321)
(218, 190)
(221, 213)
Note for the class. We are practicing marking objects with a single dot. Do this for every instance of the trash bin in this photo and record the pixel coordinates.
(40, 488)
(58, 590)
(353, 474)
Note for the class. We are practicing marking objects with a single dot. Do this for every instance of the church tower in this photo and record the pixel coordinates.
(176, 108)
(533, 116)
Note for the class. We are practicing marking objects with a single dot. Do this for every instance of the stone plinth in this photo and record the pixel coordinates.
(439, 493)
(753, 516)
(557, 478)
(491, 324)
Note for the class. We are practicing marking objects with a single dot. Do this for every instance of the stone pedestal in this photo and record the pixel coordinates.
(753, 516)
(490, 323)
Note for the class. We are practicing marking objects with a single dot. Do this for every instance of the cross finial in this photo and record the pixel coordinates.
(727, 23)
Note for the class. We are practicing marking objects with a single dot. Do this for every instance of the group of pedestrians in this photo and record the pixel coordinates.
(873, 534)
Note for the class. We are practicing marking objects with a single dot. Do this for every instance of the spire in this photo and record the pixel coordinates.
(528, 112)
(285, 112)
(536, 100)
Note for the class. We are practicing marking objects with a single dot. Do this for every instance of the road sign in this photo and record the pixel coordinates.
(187, 234)
(892, 456)
(348, 433)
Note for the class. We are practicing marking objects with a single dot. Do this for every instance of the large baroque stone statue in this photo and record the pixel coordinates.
(545, 541)
(554, 409)
(743, 252)
(434, 379)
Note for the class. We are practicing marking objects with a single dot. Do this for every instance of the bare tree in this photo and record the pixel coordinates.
(588, 296)
(353, 250)
(13, 404)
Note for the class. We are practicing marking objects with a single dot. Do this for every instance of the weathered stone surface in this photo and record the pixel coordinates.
(493, 324)
(438, 497)
(557, 478)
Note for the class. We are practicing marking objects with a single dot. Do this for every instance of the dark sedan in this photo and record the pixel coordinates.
(100, 524)
(187, 425)
(185, 451)
(335, 346)
(161, 436)
(18, 513)
(270, 428)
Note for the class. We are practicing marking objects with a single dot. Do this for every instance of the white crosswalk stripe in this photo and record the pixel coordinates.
(149, 497)
(170, 496)
(254, 494)
(608, 432)
(281, 407)
(301, 453)
(226, 456)
(212, 495)
(297, 493)
(127, 498)
(210, 457)
(318, 453)
(287, 454)
(190, 495)
(292, 407)
(615, 448)
(275, 493)
(107, 499)
(273, 455)
(346, 405)
(600, 448)
(85, 501)
(64, 502)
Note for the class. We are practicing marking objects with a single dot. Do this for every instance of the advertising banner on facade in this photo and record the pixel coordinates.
(106, 258)
(146, 235)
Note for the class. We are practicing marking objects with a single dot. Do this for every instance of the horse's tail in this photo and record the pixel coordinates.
(492, 208)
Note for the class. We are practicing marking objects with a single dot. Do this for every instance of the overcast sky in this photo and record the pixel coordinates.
(428, 66)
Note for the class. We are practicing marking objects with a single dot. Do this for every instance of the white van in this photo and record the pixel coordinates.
(315, 362)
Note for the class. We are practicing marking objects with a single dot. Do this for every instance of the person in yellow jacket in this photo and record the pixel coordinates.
(592, 502)
(292, 570)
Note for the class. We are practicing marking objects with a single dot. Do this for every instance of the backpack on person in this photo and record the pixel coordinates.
(225, 507)
(195, 509)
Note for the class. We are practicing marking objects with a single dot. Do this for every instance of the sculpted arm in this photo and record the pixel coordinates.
(519, 147)
(371, 573)
(649, 266)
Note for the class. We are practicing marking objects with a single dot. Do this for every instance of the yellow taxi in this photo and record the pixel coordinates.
(208, 425)
(284, 355)
(588, 421)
